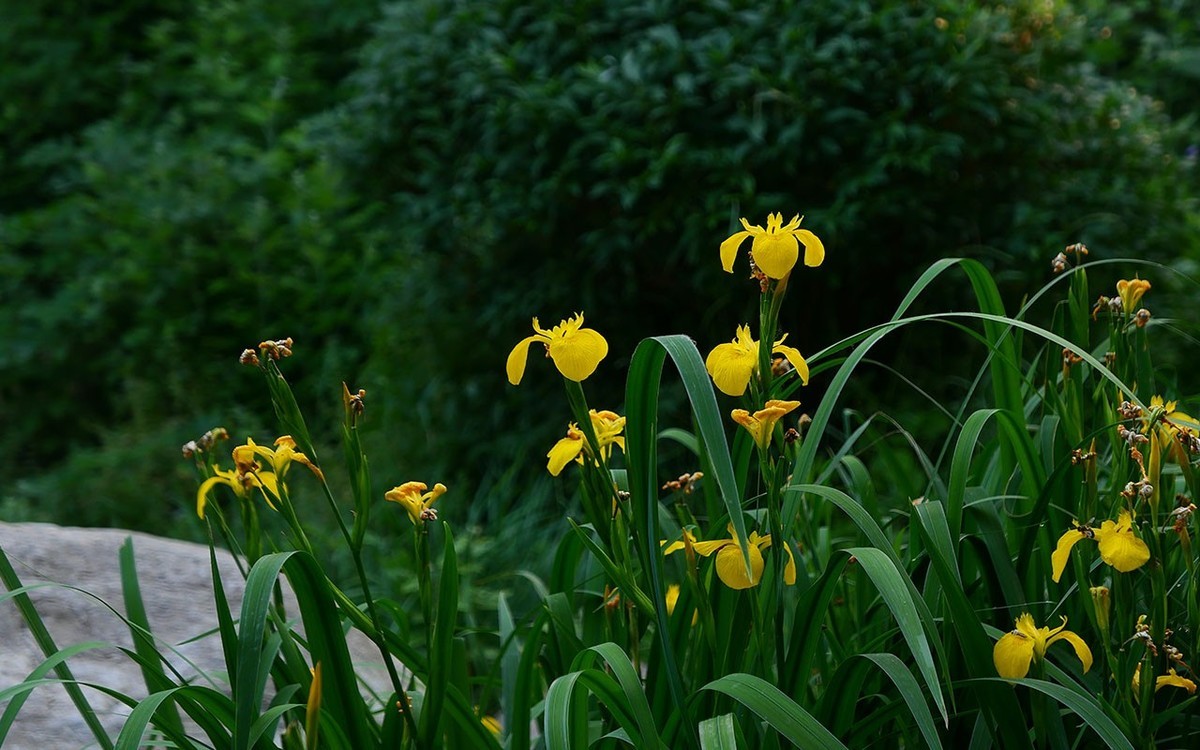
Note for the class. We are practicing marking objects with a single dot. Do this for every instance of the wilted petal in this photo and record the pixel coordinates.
(1173, 680)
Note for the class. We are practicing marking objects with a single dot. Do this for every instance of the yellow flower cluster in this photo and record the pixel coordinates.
(249, 474)
(607, 426)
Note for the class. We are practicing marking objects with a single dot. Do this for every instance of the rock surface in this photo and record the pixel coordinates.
(176, 587)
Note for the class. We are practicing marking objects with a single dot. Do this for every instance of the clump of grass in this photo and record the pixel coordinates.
(788, 586)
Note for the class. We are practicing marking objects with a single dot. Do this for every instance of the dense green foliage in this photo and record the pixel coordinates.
(401, 188)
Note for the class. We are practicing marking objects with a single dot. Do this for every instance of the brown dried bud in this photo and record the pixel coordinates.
(1078, 249)
(1141, 318)
(1059, 264)
(249, 358)
(791, 435)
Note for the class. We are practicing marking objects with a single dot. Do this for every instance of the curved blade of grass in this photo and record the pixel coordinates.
(999, 706)
(718, 733)
(36, 676)
(781, 712)
(442, 643)
(566, 714)
(910, 691)
(807, 630)
(641, 403)
(326, 643)
(894, 586)
(517, 723)
(251, 654)
(635, 697)
(1083, 706)
(143, 641)
(46, 643)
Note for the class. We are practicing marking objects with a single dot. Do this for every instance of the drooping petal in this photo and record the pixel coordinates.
(1012, 654)
(730, 366)
(706, 548)
(731, 568)
(1058, 560)
(672, 598)
(789, 570)
(563, 453)
(793, 356)
(1081, 649)
(578, 354)
(814, 249)
(775, 254)
(515, 366)
(206, 487)
(408, 495)
(1119, 547)
(1171, 679)
(675, 546)
(756, 428)
(729, 250)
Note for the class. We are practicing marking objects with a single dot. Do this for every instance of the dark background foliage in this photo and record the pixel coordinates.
(401, 187)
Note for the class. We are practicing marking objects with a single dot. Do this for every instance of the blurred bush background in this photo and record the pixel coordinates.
(400, 187)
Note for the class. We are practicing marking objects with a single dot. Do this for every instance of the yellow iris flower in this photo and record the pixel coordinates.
(576, 350)
(249, 474)
(732, 365)
(607, 425)
(776, 248)
(1131, 293)
(761, 424)
(1119, 546)
(1170, 679)
(1017, 649)
(1167, 427)
(415, 499)
(731, 568)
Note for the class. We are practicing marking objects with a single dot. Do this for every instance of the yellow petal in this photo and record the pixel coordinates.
(704, 549)
(775, 254)
(731, 568)
(789, 570)
(206, 487)
(563, 453)
(578, 354)
(672, 598)
(1058, 560)
(814, 249)
(1120, 548)
(1173, 680)
(729, 250)
(1081, 649)
(515, 366)
(793, 356)
(1012, 654)
(687, 538)
(730, 366)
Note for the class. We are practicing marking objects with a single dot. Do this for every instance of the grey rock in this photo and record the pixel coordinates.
(83, 569)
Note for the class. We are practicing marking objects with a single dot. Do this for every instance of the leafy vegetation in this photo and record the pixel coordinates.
(393, 187)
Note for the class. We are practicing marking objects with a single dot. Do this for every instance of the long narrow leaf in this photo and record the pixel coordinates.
(781, 712)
